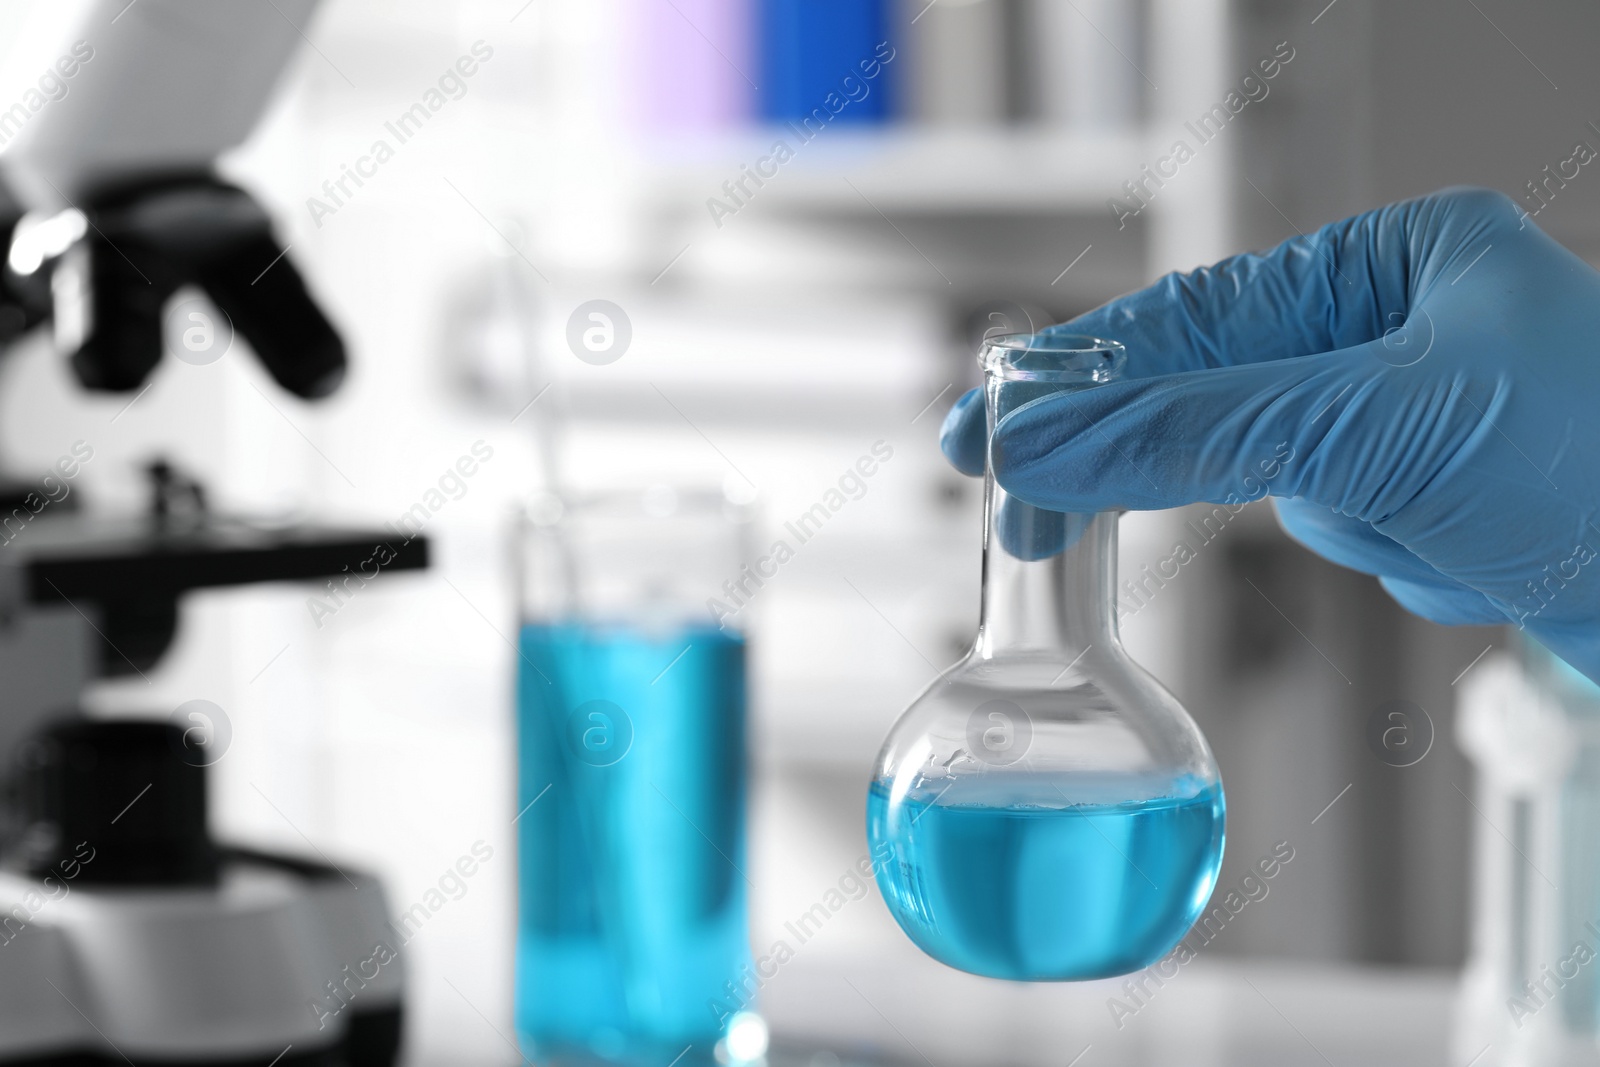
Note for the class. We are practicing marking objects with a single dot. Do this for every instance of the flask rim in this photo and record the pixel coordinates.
(1052, 357)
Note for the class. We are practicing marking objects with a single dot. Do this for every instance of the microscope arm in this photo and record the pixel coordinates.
(157, 90)
(157, 87)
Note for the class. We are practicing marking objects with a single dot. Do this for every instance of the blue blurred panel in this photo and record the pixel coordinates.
(808, 50)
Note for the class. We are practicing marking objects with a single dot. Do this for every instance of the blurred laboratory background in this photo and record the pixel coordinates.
(947, 170)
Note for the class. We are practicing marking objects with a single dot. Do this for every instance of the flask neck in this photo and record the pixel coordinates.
(1062, 604)
(1049, 578)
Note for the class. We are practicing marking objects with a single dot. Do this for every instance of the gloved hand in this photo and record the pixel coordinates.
(1422, 382)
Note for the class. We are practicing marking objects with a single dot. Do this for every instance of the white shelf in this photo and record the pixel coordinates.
(902, 168)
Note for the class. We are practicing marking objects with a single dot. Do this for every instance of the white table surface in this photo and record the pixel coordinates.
(1226, 1013)
(901, 1009)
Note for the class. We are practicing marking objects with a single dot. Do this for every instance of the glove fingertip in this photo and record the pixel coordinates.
(962, 437)
(1038, 458)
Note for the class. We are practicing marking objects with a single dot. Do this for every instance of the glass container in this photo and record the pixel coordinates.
(632, 938)
(1530, 990)
(1049, 811)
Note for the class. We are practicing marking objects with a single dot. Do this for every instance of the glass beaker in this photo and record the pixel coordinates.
(1050, 811)
(632, 908)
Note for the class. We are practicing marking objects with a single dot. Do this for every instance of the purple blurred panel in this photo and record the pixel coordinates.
(689, 63)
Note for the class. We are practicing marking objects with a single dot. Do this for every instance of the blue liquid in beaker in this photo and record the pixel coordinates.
(632, 904)
(999, 875)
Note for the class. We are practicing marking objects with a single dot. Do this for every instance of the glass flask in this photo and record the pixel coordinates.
(1049, 811)
(632, 930)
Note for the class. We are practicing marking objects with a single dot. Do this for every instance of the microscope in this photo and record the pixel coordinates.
(127, 933)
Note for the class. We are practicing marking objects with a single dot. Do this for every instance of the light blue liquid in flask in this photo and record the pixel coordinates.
(1011, 881)
(1048, 810)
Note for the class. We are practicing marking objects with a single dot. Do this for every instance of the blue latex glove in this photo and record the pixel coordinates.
(1417, 387)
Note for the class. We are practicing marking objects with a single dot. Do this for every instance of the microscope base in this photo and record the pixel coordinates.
(282, 962)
